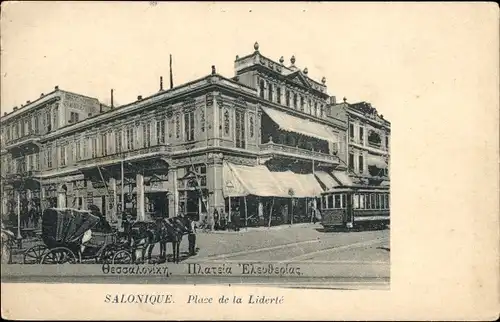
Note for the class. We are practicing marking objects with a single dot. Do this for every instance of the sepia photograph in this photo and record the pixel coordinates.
(199, 144)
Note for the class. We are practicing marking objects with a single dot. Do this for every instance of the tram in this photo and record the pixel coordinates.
(350, 207)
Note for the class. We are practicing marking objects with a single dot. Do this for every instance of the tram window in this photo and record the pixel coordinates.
(362, 201)
(368, 201)
(381, 200)
(373, 201)
(330, 202)
(344, 201)
(377, 201)
(337, 202)
(387, 201)
(323, 202)
(356, 201)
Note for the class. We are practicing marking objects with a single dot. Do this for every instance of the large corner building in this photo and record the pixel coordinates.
(266, 141)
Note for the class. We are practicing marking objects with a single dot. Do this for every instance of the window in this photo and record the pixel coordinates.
(118, 141)
(309, 106)
(270, 92)
(78, 155)
(344, 200)
(49, 157)
(373, 201)
(160, 132)
(177, 126)
(386, 141)
(62, 157)
(322, 111)
(294, 100)
(94, 147)
(85, 152)
(22, 129)
(337, 202)
(36, 124)
(377, 201)
(302, 103)
(330, 202)
(56, 111)
(49, 119)
(388, 206)
(262, 87)
(202, 120)
(278, 94)
(104, 144)
(240, 129)
(251, 126)
(27, 125)
(73, 117)
(315, 108)
(189, 126)
(287, 98)
(351, 131)
(30, 125)
(368, 201)
(130, 137)
(351, 161)
(146, 134)
(226, 122)
(361, 134)
(361, 165)
(355, 200)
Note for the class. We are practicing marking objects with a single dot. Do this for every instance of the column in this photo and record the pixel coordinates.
(61, 199)
(141, 215)
(112, 201)
(215, 182)
(173, 200)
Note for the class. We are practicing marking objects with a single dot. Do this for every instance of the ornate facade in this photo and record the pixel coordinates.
(170, 150)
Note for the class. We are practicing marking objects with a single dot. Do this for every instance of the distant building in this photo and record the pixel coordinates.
(246, 144)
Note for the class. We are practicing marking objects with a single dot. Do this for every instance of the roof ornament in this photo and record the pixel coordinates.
(292, 60)
(256, 46)
(282, 60)
(306, 71)
(323, 80)
(213, 70)
(344, 99)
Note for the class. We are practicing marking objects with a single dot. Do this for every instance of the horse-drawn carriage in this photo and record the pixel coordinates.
(68, 236)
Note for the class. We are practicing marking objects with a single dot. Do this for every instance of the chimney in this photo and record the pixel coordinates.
(56, 87)
(41, 95)
(161, 83)
(139, 97)
(171, 74)
(112, 104)
(333, 100)
(15, 108)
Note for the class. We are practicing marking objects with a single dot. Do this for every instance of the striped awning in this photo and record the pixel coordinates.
(375, 160)
(326, 179)
(295, 124)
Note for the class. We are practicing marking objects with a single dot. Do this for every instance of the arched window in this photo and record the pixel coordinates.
(226, 122)
(295, 100)
(315, 108)
(302, 103)
(262, 87)
(270, 91)
(278, 95)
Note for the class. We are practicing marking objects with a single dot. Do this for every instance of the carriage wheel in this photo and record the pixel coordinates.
(59, 255)
(34, 254)
(106, 255)
(122, 257)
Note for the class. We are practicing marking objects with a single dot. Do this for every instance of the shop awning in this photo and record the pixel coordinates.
(343, 178)
(326, 179)
(374, 160)
(295, 124)
(242, 180)
(302, 185)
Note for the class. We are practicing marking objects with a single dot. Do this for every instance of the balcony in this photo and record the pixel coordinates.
(273, 149)
(151, 151)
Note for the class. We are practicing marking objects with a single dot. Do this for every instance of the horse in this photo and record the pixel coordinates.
(160, 231)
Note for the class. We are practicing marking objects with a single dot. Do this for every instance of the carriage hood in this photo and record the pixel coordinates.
(66, 226)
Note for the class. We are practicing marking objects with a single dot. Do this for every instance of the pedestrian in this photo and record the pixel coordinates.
(236, 220)
(192, 237)
(216, 219)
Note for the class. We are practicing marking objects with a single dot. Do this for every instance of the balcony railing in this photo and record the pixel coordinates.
(30, 138)
(160, 149)
(291, 151)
